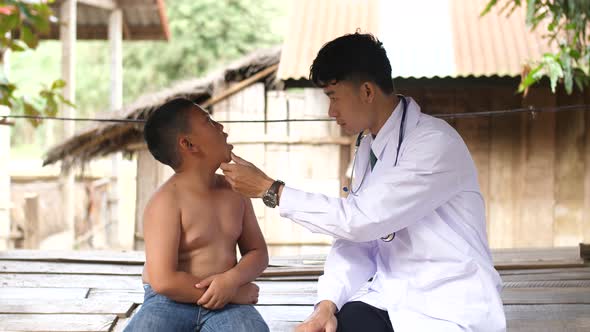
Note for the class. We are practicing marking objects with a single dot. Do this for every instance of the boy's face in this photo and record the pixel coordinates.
(210, 137)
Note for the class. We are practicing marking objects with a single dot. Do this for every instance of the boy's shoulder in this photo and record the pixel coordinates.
(164, 195)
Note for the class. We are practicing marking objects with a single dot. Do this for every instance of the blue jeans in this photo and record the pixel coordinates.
(159, 313)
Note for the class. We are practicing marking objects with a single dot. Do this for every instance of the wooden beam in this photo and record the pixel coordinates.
(240, 86)
(103, 4)
(68, 40)
(269, 139)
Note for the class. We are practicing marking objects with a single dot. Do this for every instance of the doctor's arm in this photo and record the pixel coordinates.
(430, 173)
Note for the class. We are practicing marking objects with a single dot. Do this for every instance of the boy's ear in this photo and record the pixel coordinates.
(186, 144)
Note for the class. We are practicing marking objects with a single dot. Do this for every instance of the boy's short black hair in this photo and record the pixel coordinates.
(353, 57)
(163, 127)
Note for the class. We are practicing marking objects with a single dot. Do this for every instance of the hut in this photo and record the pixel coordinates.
(534, 168)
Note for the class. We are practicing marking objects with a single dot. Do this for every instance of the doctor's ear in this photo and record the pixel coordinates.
(368, 92)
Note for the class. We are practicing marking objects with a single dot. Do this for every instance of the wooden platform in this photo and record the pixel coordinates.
(545, 290)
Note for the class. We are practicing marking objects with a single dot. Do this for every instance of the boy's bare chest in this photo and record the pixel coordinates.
(211, 220)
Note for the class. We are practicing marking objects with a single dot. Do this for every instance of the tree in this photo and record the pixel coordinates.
(21, 25)
(567, 23)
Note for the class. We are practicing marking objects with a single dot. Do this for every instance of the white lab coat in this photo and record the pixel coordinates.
(437, 273)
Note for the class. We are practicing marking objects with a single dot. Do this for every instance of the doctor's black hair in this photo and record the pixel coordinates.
(354, 57)
(163, 127)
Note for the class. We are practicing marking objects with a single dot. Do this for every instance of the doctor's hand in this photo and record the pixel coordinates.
(245, 178)
(321, 320)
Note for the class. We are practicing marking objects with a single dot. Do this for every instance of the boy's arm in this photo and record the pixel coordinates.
(253, 262)
(162, 237)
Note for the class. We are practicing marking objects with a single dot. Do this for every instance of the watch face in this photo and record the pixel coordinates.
(269, 200)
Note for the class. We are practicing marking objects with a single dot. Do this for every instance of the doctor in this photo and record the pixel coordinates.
(414, 219)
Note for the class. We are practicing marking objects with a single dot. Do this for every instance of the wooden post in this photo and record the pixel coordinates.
(4, 184)
(4, 166)
(68, 40)
(32, 211)
(533, 226)
(586, 208)
(569, 172)
(116, 41)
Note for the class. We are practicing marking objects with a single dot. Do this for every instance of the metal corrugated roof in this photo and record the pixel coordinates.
(312, 23)
(142, 19)
(423, 38)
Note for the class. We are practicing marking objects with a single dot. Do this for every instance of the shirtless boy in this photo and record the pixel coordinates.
(192, 278)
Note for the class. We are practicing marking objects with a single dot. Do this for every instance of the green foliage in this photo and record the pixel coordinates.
(566, 23)
(204, 34)
(21, 24)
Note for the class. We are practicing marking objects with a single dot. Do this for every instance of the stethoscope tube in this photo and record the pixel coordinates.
(360, 136)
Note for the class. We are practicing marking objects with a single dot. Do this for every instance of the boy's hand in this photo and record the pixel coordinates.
(247, 294)
(221, 289)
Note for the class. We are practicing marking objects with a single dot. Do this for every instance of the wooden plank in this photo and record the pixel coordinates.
(75, 281)
(150, 174)
(284, 313)
(56, 322)
(476, 134)
(123, 322)
(60, 306)
(533, 226)
(569, 172)
(276, 109)
(555, 295)
(43, 293)
(69, 268)
(31, 236)
(560, 275)
(135, 296)
(102, 256)
(503, 258)
(553, 317)
(533, 255)
(504, 169)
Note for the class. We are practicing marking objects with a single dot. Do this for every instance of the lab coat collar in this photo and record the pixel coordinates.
(390, 130)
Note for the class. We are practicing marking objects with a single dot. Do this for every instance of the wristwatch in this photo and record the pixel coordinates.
(271, 196)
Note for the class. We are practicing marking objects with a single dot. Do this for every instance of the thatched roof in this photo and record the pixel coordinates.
(107, 138)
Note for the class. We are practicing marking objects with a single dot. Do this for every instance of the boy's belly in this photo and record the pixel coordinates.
(203, 262)
(206, 262)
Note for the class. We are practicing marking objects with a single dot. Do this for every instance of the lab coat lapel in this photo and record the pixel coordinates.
(412, 117)
(362, 162)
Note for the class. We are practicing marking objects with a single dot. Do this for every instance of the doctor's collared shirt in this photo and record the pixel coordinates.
(437, 273)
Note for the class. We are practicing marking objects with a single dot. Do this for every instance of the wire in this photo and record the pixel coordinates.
(584, 107)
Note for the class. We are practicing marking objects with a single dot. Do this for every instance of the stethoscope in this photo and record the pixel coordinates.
(359, 138)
